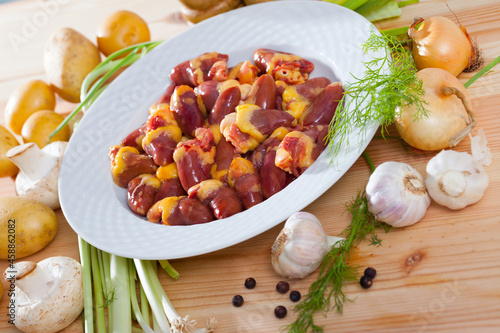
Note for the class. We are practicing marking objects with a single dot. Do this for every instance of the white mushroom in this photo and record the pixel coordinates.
(39, 171)
(48, 296)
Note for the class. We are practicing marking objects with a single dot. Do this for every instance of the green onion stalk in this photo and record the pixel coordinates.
(375, 10)
(485, 70)
(125, 295)
(110, 292)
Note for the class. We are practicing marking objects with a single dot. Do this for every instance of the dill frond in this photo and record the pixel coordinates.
(336, 270)
(109, 297)
(388, 83)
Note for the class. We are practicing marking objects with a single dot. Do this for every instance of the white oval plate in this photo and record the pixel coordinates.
(328, 35)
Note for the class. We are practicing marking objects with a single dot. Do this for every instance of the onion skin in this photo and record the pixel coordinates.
(440, 43)
(447, 114)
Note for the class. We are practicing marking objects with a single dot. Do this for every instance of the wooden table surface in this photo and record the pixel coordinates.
(454, 285)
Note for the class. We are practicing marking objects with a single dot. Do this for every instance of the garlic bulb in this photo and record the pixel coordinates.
(455, 180)
(396, 194)
(300, 246)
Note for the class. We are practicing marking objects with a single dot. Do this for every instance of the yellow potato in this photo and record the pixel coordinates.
(30, 97)
(121, 29)
(40, 125)
(26, 226)
(7, 141)
(69, 57)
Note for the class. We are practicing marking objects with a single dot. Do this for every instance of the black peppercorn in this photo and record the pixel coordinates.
(250, 283)
(370, 272)
(295, 296)
(282, 287)
(280, 311)
(365, 282)
(238, 300)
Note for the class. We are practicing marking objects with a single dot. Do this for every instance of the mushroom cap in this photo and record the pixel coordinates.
(61, 306)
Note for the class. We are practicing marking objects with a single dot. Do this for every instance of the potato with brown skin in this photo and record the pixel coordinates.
(68, 58)
(40, 125)
(121, 29)
(26, 226)
(32, 96)
(198, 10)
(7, 141)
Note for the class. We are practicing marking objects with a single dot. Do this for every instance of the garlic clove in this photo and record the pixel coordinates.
(396, 194)
(300, 246)
(455, 179)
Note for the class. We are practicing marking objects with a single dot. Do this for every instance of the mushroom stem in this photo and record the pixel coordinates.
(31, 160)
(34, 281)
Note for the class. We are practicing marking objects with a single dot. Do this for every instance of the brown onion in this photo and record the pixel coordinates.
(439, 42)
(449, 118)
